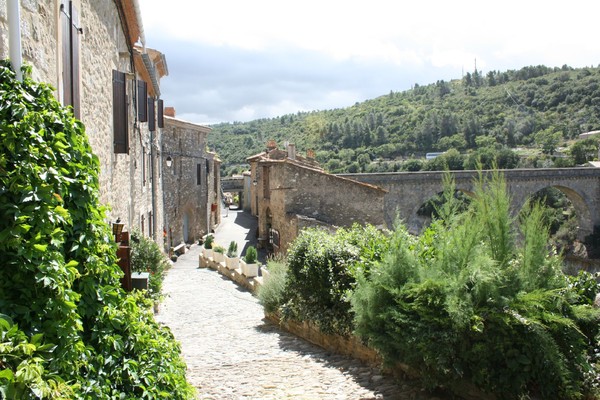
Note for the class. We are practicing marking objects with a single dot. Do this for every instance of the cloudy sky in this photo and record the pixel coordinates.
(240, 60)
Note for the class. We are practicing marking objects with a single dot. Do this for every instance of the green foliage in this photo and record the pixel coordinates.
(146, 256)
(251, 255)
(232, 250)
(584, 150)
(59, 285)
(321, 273)
(271, 293)
(208, 242)
(472, 299)
(506, 108)
(219, 249)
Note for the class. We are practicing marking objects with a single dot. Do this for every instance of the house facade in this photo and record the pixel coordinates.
(94, 54)
(191, 181)
(290, 192)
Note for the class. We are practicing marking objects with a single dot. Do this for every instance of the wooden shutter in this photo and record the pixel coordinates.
(75, 32)
(142, 102)
(65, 21)
(151, 115)
(121, 137)
(69, 19)
(161, 119)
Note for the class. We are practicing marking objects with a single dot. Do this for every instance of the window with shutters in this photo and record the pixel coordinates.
(121, 136)
(198, 174)
(160, 118)
(70, 39)
(143, 166)
(266, 190)
(142, 104)
(151, 115)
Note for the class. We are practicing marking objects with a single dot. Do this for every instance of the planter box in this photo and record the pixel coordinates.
(232, 262)
(218, 257)
(265, 274)
(249, 270)
(208, 253)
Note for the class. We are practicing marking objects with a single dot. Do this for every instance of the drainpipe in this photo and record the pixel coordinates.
(14, 36)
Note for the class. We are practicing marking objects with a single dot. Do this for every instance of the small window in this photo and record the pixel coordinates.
(142, 103)
(151, 115)
(121, 137)
(160, 118)
(198, 174)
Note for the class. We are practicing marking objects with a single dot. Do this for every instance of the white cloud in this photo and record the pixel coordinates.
(240, 60)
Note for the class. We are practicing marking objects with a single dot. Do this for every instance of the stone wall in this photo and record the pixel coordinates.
(132, 195)
(187, 203)
(295, 190)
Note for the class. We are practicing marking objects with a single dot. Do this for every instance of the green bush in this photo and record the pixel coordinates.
(59, 284)
(271, 293)
(251, 255)
(232, 249)
(208, 242)
(321, 274)
(146, 256)
(473, 299)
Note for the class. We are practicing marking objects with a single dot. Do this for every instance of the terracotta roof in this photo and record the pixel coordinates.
(134, 26)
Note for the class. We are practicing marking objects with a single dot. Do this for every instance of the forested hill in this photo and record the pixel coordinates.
(510, 108)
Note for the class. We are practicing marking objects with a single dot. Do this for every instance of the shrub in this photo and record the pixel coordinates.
(251, 255)
(208, 242)
(59, 285)
(473, 299)
(271, 293)
(146, 256)
(232, 249)
(219, 249)
(321, 274)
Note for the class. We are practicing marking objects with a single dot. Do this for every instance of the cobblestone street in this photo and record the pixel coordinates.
(232, 353)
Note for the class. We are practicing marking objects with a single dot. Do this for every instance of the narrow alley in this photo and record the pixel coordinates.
(232, 353)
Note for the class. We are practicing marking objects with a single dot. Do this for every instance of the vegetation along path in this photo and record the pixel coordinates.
(233, 353)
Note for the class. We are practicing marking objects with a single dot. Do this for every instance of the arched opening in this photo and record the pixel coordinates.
(430, 208)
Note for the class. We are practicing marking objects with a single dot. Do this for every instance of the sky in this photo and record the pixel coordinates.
(241, 60)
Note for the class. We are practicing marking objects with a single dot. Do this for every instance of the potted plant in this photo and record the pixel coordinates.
(249, 264)
(231, 258)
(208, 245)
(218, 253)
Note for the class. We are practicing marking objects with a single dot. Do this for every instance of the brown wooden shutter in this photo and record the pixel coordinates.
(121, 137)
(161, 119)
(75, 40)
(151, 115)
(66, 54)
(142, 102)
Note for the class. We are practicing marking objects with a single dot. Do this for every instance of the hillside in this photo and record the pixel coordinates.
(509, 108)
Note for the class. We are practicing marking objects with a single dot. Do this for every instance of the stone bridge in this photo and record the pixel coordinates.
(232, 184)
(407, 191)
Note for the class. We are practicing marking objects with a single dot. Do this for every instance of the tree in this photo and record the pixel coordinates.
(548, 140)
(584, 150)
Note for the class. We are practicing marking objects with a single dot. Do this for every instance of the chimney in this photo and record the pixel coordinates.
(291, 149)
(170, 112)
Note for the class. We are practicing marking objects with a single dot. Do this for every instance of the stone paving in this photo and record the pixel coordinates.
(233, 353)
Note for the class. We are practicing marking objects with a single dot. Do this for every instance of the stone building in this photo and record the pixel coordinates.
(290, 192)
(94, 54)
(191, 181)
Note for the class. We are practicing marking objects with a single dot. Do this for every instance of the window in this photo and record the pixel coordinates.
(121, 137)
(151, 115)
(70, 56)
(143, 166)
(142, 103)
(266, 192)
(161, 119)
(198, 174)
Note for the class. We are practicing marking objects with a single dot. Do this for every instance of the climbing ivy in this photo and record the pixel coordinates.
(67, 329)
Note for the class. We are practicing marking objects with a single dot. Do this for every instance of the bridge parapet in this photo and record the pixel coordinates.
(407, 191)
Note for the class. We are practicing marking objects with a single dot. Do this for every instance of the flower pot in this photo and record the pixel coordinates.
(249, 270)
(218, 257)
(265, 274)
(232, 262)
(208, 253)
